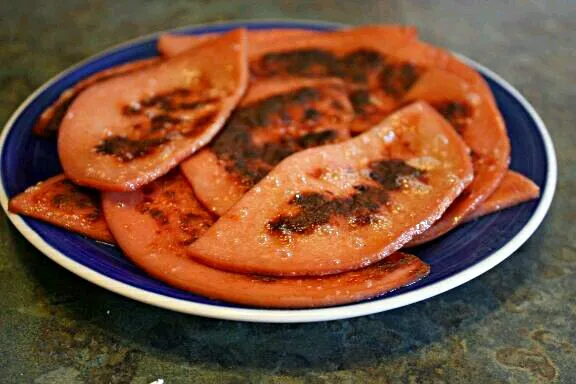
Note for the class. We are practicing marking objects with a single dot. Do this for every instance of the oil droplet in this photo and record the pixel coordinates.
(219, 234)
(397, 208)
(358, 243)
(236, 241)
(328, 230)
(120, 204)
(452, 178)
(243, 214)
(262, 239)
(284, 253)
(257, 189)
(276, 181)
(337, 261)
(288, 192)
(369, 283)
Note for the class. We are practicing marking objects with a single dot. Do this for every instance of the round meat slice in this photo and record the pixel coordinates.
(49, 121)
(470, 108)
(172, 44)
(58, 201)
(275, 119)
(514, 189)
(124, 132)
(153, 226)
(343, 206)
(358, 56)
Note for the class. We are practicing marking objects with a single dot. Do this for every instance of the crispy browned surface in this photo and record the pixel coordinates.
(150, 120)
(339, 207)
(58, 201)
(153, 225)
(275, 119)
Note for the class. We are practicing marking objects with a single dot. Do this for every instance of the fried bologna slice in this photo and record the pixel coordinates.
(124, 132)
(343, 206)
(49, 121)
(153, 225)
(514, 189)
(275, 119)
(58, 201)
(170, 44)
(469, 107)
(359, 56)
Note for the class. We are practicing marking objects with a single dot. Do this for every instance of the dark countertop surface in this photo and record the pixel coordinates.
(514, 324)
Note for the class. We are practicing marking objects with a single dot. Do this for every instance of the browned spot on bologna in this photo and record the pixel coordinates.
(360, 99)
(315, 209)
(353, 67)
(457, 113)
(156, 121)
(397, 78)
(532, 361)
(162, 202)
(250, 161)
(71, 197)
(125, 149)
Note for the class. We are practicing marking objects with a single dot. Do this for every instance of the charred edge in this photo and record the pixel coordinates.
(250, 161)
(397, 78)
(457, 113)
(125, 149)
(316, 209)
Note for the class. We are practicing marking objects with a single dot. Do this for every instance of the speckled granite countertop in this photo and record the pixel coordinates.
(516, 323)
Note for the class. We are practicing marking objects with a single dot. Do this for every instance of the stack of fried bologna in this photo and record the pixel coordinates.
(278, 168)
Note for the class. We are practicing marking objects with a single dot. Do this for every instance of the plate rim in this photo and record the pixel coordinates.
(287, 315)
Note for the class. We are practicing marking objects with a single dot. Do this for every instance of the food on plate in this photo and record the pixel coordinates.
(153, 226)
(174, 44)
(122, 133)
(514, 189)
(343, 206)
(357, 55)
(275, 119)
(470, 108)
(278, 168)
(58, 201)
(49, 121)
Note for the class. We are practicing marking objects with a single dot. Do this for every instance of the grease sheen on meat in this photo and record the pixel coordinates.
(275, 119)
(152, 226)
(124, 132)
(343, 206)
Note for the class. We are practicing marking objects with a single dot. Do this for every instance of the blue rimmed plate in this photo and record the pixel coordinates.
(462, 255)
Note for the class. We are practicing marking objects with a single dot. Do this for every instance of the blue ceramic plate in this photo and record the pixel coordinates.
(464, 254)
